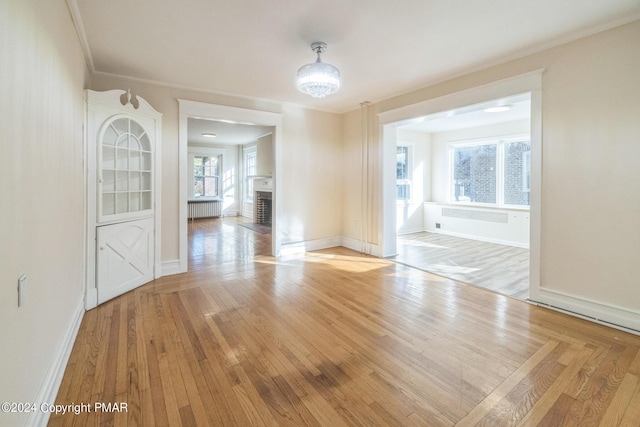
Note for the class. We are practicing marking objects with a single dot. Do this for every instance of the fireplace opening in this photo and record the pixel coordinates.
(263, 207)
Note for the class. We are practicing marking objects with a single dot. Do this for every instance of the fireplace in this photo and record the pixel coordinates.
(263, 207)
(262, 201)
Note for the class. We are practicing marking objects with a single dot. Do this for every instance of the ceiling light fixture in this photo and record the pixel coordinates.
(209, 134)
(318, 79)
(498, 109)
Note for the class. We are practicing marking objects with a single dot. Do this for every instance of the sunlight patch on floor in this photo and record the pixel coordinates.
(349, 263)
(414, 273)
(452, 269)
(262, 259)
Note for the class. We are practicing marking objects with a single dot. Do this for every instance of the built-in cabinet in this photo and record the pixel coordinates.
(125, 159)
(122, 135)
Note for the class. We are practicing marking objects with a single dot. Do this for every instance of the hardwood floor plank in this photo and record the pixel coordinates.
(554, 395)
(335, 338)
(597, 395)
(620, 401)
(524, 395)
(494, 398)
(632, 412)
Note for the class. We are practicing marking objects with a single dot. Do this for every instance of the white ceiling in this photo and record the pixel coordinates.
(226, 133)
(383, 48)
(472, 116)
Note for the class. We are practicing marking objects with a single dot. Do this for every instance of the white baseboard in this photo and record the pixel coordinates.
(91, 299)
(356, 245)
(607, 314)
(53, 379)
(409, 231)
(482, 239)
(353, 244)
(288, 249)
(171, 267)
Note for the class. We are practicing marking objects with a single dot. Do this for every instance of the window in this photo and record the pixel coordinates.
(403, 181)
(495, 172)
(206, 178)
(474, 174)
(517, 173)
(250, 169)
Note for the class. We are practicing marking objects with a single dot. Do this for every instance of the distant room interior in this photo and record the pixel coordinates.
(463, 194)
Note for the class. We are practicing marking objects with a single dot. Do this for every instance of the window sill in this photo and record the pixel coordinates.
(484, 207)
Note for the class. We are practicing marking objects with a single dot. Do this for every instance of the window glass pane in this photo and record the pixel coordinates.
(136, 129)
(110, 136)
(403, 191)
(517, 173)
(403, 182)
(134, 144)
(121, 126)
(251, 164)
(210, 166)
(474, 174)
(198, 187)
(250, 171)
(402, 165)
(145, 142)
(211, 186)
(205, 176)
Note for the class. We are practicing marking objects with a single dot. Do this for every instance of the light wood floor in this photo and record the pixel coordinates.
(333, 338)
(499, 268)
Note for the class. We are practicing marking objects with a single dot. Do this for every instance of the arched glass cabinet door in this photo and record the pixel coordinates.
(125, 177)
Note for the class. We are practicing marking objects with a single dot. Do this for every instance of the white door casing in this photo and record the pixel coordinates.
(122, 151)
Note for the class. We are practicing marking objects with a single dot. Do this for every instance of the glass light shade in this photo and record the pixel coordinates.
(318, 79)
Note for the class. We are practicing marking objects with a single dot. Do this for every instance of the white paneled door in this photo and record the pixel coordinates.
(125, 257)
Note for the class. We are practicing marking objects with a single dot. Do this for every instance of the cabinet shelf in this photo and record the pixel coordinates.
(125, 159)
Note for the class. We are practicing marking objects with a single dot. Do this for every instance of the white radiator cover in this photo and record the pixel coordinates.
(205, 208)
(503, 226)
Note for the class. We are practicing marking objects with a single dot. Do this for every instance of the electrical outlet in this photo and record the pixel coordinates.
(22, 289)
(437, 225)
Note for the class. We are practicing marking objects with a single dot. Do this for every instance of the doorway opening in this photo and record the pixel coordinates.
(463, 194)
(227, 179)
(461, 183)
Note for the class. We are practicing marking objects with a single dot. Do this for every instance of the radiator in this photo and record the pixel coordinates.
(477, 215)
(204, 208)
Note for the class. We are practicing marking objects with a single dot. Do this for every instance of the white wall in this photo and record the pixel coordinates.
(311, 175)
(409, 214)
(41, 197)
(590, 229)
(264, 155)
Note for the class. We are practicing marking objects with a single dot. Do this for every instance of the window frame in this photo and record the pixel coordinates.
(526, 176)
(194, 177)
(500, 142)
(409, 164)
(249, 151)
